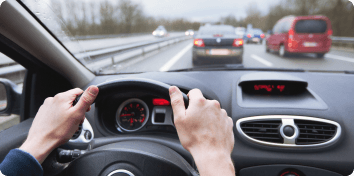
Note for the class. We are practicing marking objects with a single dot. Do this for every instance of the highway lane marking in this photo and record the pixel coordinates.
(175, 58)
(261, 60)
(340, 57)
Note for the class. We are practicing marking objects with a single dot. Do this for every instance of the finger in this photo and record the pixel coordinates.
(223, 112)
(177, 103)
(87, 98)
(73, 93)
(82, 121)
(89, 109)
(215, 103)
(196, 96)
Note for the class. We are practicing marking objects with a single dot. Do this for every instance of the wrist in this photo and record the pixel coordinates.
(39, 149)
(213, 162)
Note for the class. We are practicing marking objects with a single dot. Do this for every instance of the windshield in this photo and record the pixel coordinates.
(134, 36)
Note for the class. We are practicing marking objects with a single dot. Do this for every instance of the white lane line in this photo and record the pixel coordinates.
(340, 57)
(261, 60)
(175, 58)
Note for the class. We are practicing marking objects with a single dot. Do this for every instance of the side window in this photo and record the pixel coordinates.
(278, 27)
(287, 26)
(275, 28)
(282, 26)
(11, 70)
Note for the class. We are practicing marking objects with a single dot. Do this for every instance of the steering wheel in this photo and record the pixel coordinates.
(126, 157)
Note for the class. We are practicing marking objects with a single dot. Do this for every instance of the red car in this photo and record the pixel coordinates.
(302, 34)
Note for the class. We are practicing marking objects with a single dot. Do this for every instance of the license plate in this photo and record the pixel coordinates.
(255, 39)
(310, 44)
(219, 52)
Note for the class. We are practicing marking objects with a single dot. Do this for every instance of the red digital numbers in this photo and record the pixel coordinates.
(269, 88)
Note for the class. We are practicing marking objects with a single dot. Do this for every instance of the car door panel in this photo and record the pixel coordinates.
(13, 137)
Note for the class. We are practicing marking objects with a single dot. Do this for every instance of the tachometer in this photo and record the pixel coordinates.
(132, 115)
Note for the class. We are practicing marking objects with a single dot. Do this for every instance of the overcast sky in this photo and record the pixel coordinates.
(202, 10)
(193, 10)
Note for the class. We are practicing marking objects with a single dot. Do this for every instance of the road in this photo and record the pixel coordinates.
(179, 56)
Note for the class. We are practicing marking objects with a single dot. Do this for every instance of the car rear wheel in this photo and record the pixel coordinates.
(320, 55)
(267, 48)
(282, 51)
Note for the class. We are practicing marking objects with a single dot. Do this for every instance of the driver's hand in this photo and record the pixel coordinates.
(57, 120)
(205, 130)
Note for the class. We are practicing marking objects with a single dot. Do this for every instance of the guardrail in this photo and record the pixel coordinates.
(91, 37)
(343, 41)
(98, 59)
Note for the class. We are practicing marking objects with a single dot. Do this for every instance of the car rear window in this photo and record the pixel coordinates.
(217, 30)
(311, 26)
(257, 31)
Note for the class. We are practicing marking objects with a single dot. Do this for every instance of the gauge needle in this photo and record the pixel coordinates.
(131, 121)
(124, 115)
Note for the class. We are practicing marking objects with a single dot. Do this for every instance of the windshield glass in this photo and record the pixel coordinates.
(133, 36)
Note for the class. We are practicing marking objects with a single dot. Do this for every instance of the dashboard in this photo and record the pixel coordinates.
(135, 112)
(299, 122)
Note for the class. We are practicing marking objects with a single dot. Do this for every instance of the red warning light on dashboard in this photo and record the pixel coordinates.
(269, 88)
(160, 102)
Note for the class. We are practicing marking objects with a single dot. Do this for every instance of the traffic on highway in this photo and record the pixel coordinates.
(291, 42)
(280, 72)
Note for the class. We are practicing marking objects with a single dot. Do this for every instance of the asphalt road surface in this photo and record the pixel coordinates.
(179, 56)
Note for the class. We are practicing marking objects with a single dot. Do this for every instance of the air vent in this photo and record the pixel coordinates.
(289, 131)
(263, 130)
(77, 133)
(313, 132)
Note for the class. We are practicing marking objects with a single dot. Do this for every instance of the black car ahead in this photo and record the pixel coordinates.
(217, 44)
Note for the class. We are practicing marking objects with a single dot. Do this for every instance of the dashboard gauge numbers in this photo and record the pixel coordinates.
(132, 115)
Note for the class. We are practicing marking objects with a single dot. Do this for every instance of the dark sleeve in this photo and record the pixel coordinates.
(18, 162)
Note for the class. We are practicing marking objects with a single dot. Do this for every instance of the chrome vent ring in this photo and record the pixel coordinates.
(289, 131)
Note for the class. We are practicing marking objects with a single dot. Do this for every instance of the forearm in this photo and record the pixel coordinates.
(39, 149)
(214, 163)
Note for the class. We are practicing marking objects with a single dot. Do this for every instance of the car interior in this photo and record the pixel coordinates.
(287, 122)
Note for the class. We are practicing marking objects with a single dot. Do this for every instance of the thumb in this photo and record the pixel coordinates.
(87, 98)
(179, 110)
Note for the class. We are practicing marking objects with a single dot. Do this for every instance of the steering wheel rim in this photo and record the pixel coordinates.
(120, 85)
(147, 85)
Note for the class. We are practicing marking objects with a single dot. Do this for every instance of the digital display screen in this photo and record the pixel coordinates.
(269, 87)
(273, 87)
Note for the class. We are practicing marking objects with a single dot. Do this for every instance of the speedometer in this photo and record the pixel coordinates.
(132, 115)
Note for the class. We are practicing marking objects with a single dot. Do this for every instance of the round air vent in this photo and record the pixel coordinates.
(289, 131)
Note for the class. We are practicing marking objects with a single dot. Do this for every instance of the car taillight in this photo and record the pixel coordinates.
(199, 42)
(291, 33)
(291, 42)
(237, 42)
(262, 35)
(249, 35)
(329, 33)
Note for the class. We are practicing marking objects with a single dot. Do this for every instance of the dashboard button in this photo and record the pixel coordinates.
(288, 131)
(88, 135)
